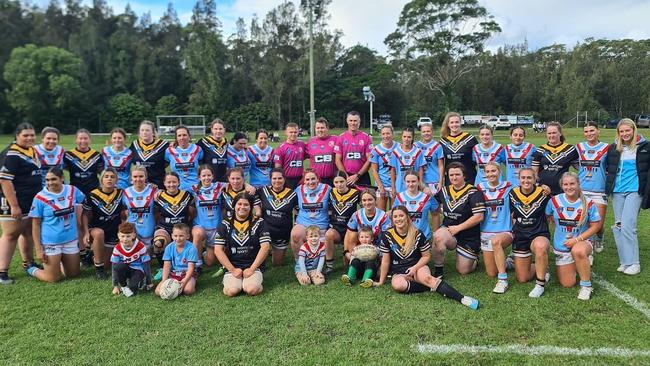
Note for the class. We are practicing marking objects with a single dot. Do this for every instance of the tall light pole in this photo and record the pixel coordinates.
(312, 104)
(369, 97)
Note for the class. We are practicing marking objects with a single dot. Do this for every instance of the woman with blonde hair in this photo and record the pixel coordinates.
(405, 254)
(457, 146)
(576, 219)
(628, 170)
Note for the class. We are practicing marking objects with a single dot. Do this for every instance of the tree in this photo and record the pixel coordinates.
(440, 40)
(126, 111)
(168, 105)
(45, 83)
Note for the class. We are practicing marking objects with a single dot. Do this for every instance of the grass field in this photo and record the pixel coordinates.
(79, 322)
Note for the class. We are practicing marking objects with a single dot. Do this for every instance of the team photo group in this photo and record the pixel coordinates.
(157, 213)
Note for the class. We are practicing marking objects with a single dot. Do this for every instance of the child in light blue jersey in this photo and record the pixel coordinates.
(180, 259)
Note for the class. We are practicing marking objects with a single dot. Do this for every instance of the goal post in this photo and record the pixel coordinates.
(165, 124)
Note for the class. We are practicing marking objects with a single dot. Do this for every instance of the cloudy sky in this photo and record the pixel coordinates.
(368, 22)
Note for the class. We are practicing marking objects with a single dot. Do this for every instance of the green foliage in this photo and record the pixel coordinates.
(251, 117)
(126, 111)
(168, 105)
(45, 83)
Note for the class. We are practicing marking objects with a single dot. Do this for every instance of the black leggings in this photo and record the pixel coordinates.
(123, 273)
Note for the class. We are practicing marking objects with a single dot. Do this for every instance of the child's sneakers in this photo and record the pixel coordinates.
(346, 280)
(158, 275)
(127, 291)
(366, 283)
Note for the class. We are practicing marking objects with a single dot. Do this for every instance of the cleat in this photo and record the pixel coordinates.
(585, 293)
(470, 302)
(621, 268)
(6, 280)
(537, 291)
(500, 287)
(218, 273)
(366, 284)
(328, 271)
(346, 280)
(599, 245)
(100, 275)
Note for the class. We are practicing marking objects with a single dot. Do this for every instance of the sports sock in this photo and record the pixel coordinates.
(446, 290)
(329, 263)
(585, 283)
(99, 267)
(539, 282)
(438, 271)
(367, 274)
(415, 287)
(32, 270)
(352, 272)
(502, 276)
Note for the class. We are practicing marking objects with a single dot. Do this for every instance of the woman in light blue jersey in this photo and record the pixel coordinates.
(628, 170)
(138, 201)
(313, 205)
(576, 219)
(592, 172)
(519, 154)
(238, 154)
(118, 157)
(55, 217)
(496, 228)
(380, 165)
(260, 156)
(486, 151)
(184, 158)
(208, 213)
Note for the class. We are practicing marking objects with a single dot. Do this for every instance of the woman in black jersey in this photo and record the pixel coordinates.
(149, 151)
(529, 230)
(102, 209)
(343, 204)
(172, 206)
(20, 181)
(554, 158)
(215, 149)
(278, 203)
(236, 184)
(405, 254)
(463, 207)
(241, 245)
(457, 145)
(83, 163)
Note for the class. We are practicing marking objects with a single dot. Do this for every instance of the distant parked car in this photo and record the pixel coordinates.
(612, 123)
(497, 123)
(424, 121)
(643, 121)
(383, 120)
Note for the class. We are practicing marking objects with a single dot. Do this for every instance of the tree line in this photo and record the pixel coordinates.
(70, 65)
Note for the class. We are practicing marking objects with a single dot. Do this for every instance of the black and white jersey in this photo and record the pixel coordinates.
(392, 244)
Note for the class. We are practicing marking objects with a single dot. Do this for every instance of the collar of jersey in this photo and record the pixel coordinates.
(556, 149)
(344, 197)
(27, 152)
(455, 195)
(83, 155)
(456, 139)
(105, 197)
(527, 199)
(148, 147)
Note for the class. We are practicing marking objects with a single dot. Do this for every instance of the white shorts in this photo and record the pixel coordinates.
(71, 247)
(564, 258)
(597, 197)
(486, 244)
(386, 194)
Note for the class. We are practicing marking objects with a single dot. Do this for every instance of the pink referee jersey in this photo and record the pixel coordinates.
(321, 155)
(291, 157)
(354, 150)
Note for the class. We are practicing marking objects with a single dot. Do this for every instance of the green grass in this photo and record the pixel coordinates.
(79, 322)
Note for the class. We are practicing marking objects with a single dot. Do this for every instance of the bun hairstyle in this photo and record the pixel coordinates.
(22, 127)
(238, 136)
(54, 130)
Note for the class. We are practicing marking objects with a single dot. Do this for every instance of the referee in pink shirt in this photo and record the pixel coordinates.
(353, 152)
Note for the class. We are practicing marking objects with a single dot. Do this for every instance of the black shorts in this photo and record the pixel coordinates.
(110, 234)
(469, 249)
(364, 179)
(280, 239)
(25, 205)
(521, 244)
(340, 229)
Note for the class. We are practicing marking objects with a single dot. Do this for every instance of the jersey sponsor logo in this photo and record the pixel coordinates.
(295, 164)
(353, 156)
(323, 158)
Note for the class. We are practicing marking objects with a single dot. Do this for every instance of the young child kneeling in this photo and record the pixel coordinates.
(367, 269)
(311, 259)
(130, 261)
(180, 258)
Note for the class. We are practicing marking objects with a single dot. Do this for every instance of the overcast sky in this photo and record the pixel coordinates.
(368, 22)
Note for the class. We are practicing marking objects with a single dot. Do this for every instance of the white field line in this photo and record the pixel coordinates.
(520, 349)
(624, 296)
